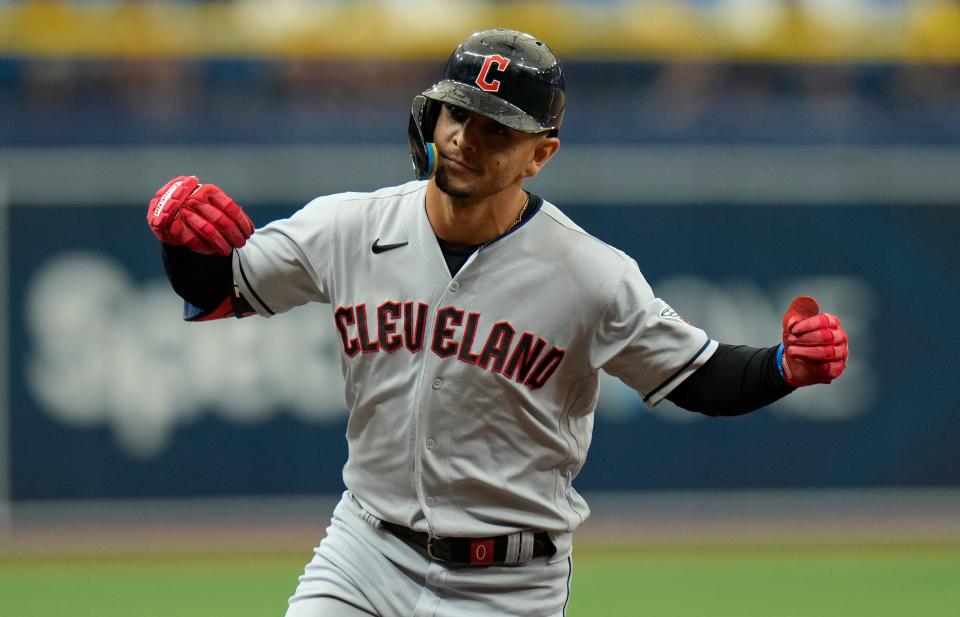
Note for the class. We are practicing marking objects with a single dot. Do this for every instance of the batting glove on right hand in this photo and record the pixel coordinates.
(201, 217)
(814, 344)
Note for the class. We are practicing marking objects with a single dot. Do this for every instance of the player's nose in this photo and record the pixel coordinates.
(465, 138)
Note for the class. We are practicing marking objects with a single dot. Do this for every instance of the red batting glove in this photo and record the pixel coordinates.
(814, 344)
(199, 216)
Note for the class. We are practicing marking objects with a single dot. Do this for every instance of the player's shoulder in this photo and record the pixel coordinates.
(382, 197)
(351, 208)
(386, 196)
(371, 205)
(578, 243)
(581, 260)
(387, 193)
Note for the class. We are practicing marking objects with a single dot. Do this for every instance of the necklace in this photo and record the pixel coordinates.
(520, 217)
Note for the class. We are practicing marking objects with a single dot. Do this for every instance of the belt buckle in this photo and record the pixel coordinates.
(430, 553)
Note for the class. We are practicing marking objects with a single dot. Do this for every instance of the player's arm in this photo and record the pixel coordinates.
(205, 282)
(734, 381)
(198, 226)
(740, 379)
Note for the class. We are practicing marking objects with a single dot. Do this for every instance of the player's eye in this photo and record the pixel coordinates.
(496, 128)
(457, 113)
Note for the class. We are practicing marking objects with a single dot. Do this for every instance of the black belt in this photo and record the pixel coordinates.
(474, 551)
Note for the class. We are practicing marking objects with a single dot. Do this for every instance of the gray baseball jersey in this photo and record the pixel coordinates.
(471, 397)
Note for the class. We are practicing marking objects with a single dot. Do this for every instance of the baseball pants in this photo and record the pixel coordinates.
(360, 569)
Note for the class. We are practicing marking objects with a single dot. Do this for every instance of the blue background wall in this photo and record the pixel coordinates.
(83, 274)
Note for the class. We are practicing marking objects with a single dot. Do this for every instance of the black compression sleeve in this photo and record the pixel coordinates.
(734, 381)
(204, 281)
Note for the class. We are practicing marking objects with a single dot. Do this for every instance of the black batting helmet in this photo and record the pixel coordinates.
(505, 75)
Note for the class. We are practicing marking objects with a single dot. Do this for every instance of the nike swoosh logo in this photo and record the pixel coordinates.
(383, 248)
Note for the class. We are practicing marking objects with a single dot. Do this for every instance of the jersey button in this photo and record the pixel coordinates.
(454, 286)
(429, 501)
(430, 443)
(437, 382)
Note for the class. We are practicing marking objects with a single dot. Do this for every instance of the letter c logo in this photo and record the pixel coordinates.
(482, 79)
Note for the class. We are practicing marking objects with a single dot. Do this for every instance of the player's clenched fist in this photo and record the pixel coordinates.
(814, 344)
(199, 216)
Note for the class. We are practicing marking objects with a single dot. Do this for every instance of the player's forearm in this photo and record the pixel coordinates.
(736, 380)
(204, 281)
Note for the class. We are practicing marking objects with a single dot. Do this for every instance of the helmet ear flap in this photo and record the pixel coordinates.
(423, 119)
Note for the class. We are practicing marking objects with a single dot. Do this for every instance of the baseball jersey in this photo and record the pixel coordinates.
(471, 396)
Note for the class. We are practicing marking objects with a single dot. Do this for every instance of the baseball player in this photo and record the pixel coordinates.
(473, 319)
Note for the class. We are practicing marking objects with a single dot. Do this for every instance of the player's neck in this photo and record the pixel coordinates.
(464, 223)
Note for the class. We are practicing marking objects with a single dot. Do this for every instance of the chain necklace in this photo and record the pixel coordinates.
(523, 211)
(520, 217)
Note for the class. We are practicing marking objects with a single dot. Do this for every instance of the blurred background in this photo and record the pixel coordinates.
(743, 151)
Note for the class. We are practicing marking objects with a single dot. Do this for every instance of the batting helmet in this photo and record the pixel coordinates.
(505, 75)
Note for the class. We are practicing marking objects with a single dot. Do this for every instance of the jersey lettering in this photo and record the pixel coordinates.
(524, 356)
(524, 359)
(343, 317)
(366, 345)
(443, 330)
(544, 369)
(414, 327)
(390, 340)
(492, 85)
(469, 332)
(497, 346)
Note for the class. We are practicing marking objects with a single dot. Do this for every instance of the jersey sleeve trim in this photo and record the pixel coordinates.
(661, 391)
(246, 284)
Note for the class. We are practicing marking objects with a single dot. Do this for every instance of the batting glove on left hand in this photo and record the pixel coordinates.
(814, 344)
(199, 216)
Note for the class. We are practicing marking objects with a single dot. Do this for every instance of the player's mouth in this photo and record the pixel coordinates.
(458, 164)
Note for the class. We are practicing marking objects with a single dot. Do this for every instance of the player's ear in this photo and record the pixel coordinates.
(544, 150)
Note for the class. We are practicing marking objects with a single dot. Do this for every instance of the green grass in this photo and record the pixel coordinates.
(767, 581)
(168, 586)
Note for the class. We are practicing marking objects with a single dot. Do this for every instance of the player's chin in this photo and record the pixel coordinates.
(453, 186)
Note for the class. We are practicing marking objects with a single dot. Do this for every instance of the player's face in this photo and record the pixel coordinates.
(480, 157)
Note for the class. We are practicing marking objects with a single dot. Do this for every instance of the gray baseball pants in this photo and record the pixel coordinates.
(360, 569)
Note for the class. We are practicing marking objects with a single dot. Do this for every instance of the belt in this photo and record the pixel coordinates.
(515, 548)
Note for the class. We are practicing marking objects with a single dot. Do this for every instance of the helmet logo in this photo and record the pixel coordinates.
(491, 85)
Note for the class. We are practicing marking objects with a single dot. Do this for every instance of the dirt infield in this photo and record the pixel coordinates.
(650, 519)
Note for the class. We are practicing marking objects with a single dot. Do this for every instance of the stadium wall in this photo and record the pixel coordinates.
(113, 396)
